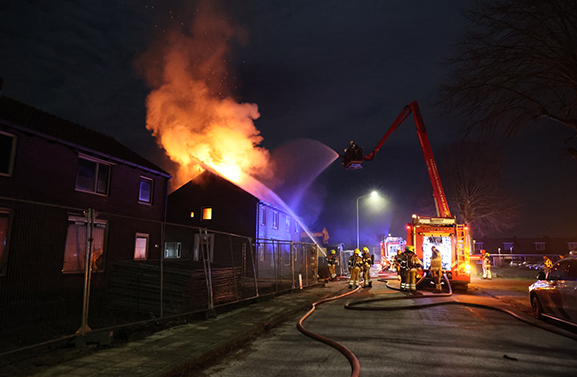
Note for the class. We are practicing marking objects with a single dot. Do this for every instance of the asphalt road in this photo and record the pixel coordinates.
(437, 341)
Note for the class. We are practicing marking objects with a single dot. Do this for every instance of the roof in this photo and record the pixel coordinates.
(43, 124)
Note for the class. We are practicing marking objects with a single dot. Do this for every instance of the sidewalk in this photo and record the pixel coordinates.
(171, 351)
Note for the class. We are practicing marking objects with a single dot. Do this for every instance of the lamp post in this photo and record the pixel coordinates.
(373, 194)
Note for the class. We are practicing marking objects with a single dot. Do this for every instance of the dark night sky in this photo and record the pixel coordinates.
(331, 71)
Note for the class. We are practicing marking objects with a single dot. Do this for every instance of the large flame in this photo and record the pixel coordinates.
(191, 111)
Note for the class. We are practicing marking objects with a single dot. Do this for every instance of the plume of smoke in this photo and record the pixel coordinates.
(191, 110)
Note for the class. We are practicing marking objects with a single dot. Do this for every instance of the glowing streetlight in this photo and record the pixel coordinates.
(373, 194)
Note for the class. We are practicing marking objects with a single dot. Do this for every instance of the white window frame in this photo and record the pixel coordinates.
(288, 224)
(209, 239)
(99, 163)
(275, 219)
(478, 246)
(508, 245)
(539, 246)
(98, 244)
(572, 245)
(151, 182)
(12, 156)
(262, 215)
(141, 236)
(175, 251)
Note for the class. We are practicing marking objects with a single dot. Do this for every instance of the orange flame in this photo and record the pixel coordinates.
(191, 113)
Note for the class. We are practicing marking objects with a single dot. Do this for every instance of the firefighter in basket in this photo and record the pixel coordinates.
(332, 262)
(355, 264)
(436, 269)
(367, 262)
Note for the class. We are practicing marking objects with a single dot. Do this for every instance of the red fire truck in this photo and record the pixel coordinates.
(442, 231)
(389, 247)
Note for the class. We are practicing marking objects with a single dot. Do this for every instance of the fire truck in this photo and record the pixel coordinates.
(389, 247)
(441, 232)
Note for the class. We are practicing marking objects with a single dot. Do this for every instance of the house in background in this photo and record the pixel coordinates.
(51, 172)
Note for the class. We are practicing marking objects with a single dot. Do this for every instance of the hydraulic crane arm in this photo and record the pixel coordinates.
(353, 157)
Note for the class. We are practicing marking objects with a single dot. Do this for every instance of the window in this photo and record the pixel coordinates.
(4, 226)
(207, 213)
(262, 214)
(204, 250)
(141, 246)
(172, 250)
(275, 219)
(540, 246)
(478, 246)
(572, 245)
(75, 249)
(145, 191)
(288, 224)
(7, 153)
(93, 176)
(508, 246)
(296, 227)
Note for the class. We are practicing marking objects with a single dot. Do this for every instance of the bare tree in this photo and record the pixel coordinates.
(518, 63)
(476, 191)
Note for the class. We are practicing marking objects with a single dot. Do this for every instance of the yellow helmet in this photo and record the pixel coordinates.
(410, 248)
(333, 252)
(366, 249)
(357, 251)
(487, 255)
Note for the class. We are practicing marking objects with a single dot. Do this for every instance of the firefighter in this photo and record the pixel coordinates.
(355, 263)
(547, 264)
(436, 269)
(367, 262)
(332, 262)
(404, 266)
(414, 268)
(487, 266)
(398, 264)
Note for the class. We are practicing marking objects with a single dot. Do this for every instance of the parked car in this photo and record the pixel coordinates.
(554, 295)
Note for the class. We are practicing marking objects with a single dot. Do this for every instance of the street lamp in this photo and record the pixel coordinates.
(373, 194)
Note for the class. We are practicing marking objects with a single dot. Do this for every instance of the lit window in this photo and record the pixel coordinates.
(191, 215)
(75, 249)
(172, 250)
(275, 219)
(145, 191)
(141, 246)
(4, 221)
(7, 153)
(288, 224)
(540, 246)
(207, 213)
(93, 176)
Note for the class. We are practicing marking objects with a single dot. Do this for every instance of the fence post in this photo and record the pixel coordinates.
(233, 269)
(203, 246)
(292, 264)
(253, 266)
(90, 215)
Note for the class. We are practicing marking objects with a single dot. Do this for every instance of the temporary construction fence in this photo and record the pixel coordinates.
(69, 271)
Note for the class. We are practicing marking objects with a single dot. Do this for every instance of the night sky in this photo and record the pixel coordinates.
(330, 71)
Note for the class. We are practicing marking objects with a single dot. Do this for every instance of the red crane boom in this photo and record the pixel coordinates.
(353, 157)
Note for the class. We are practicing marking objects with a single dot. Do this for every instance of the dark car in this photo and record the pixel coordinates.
(554, 295)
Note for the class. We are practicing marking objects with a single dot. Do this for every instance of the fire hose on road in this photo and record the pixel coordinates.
(358, 305)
